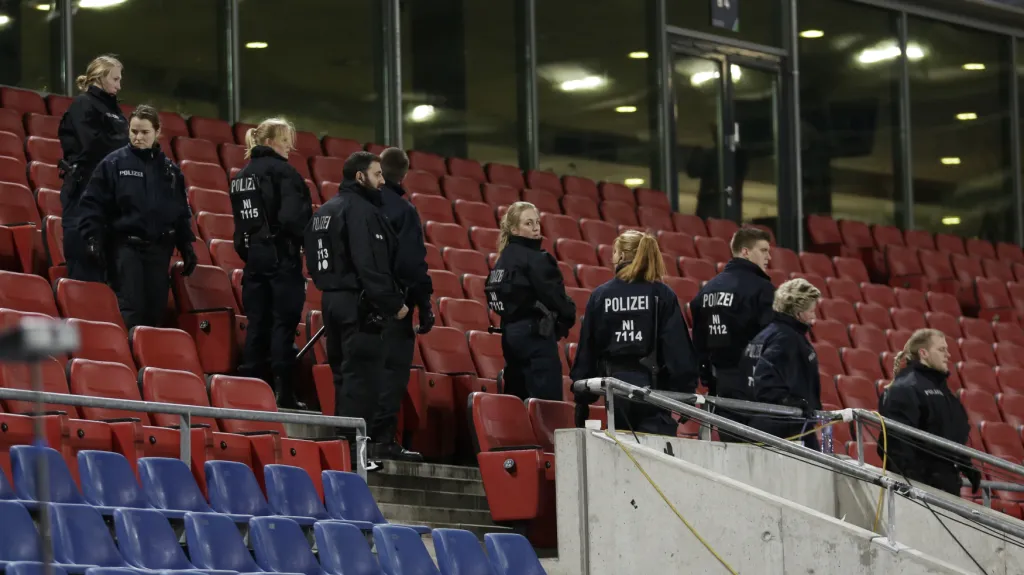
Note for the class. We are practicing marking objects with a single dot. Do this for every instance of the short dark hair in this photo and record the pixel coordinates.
(394, 162)
(358, 162)
(746, 237)
(144, 112)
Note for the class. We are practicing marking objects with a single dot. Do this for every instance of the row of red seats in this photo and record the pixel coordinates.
(842, 334)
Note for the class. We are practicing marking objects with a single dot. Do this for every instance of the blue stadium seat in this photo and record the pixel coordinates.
(344, 550)
(512, 554)
(349, 498)
(6, 490)
(19, 541)
(61, 488)
(80, 537)
(459, 552)
(147, 541)
(108, 481)
(32, 568)
(281, 547)
(291, 493)
(215, 543)
(171, 488)
(401, 551)
(117, 571)
(233, 489)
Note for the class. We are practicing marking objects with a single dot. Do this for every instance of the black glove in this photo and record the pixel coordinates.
(94, 250)
(562, 330)
(973, 475)
(800, 404)
(584, 397)
(581, 414)
(426, 317)
(188, 257)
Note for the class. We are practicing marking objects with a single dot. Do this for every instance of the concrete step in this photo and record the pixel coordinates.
(463, 486)
(419, 514)
(478, 530)
(451, 500)
(434, 470)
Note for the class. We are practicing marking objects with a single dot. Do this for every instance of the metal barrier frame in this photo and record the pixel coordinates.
(609, 387)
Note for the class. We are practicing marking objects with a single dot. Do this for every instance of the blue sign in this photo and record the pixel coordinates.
(726, 14)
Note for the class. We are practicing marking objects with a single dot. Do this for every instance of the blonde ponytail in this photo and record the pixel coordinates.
(510, 221)
(98, 69)
(643, 255)
(918, 340)
(269, 129)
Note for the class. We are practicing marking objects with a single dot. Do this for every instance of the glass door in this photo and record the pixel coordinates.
(726, 126)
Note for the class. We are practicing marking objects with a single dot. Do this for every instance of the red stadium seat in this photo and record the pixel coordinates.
(785, 259)
(598, 232)
(90, 301)
(165, 348)
(944, 322)
(652, 198)
(172, 125)
(714, 250)
(980, 406)
(580, 207)
(498, 195)
(978, 248)
(485, 240)
(224, 256)
(676, 244)
(654, 218)
(911, 299)
(544, 201)
(871, 314)
(340, 147)
(838, 310)
(722, 229)
(505, 175)
(211, 129)
(844, 290)
(830, 331)
(1008, 333)
(862, 362)
(815, 280)
(475, 214)
(23, 101)
(447, 235)
(904, 268)
(939, 271)
(455, 188)
(559, 226)
(207, 310)
(1006, 252)
(544, 181)
(568, 275)
(10, 121)
(851, 269)
(978, 350)
(434, 260)
(427, 162)
(19, 227)
(1003, 441)
(212, 201)
(824, 235)
(446, 284)
(828, 359)
(685, 289)
(908, 319)
(998, 270)
(23, 292)
(1009, 354)
(887, 236)
(1011, 381)
(463, 314)
(465, 261)
(878, 294)
(12, 147)
(689, 224)
(204, 175)
(944, 302)
(980, 376)
(591, 277)
(433, 208)
(467, 169)
(815, 263)
(48, 202)
(575, 252)
(215, 226)
(42, 126)
(857, 392)
(698, 269)
(12, 170)
(898, 339)
(195, 150)
(994, 301)
(298, 161)
(307, 144)
(43, 175)
(473, 287)
(618, 213)
(919, 239)
(578, 186)
(487, 354)
(417, 182)
(326, 169)
(870, 338)
(613, 192)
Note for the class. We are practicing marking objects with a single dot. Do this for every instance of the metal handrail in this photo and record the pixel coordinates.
(610, 387)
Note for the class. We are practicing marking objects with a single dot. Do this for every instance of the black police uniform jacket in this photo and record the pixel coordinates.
(528, 274)
(919, 397)
(350, 246)
(286, 202)
(139, 193)
(729, 311)
(619, 330)
(783, 368)
(91, 128)
(411, 260)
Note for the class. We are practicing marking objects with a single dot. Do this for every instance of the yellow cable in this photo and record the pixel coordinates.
(885, 457)
(706, 545)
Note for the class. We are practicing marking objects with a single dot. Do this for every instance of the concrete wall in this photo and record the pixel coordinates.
(614, 521)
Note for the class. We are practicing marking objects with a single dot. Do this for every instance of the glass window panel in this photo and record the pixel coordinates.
(311, 62)
(849, 116)
(172, 51)
(30, 46)
(459, 78)
(593, 90)
(959, 113)
(760, 21)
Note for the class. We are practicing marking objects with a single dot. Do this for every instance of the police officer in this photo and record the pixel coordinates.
(92, 127)
(134, 212)
(271, 207)
(920, 397)
(633, 330)
(526, 289)
(782, 364)
(729, 311)
(349, 252)
(400, 336)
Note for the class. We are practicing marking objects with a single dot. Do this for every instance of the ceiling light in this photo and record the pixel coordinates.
(812, 34)
(99, 4)
(581, 84)
(950, 161)
(951, 220)
(633, 182)
(43, 7)
(4, 20)
(967, 116)
(639, 55)
(974, 66)
(256, 45)
(702, 77)
(626, 109)
(422, 113)
(888, 51)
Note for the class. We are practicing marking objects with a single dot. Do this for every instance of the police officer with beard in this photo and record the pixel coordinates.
(349, 253)
(781, 364)
(133, 214)
(271, 208)
(92, 127)
(633, 330)
(919, 396)
(729, 311)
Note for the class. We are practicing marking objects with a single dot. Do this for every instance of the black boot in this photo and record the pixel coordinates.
(394, 451)
(284, 393)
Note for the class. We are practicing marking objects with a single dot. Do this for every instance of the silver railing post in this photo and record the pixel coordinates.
(859, 435)
(609, 403)
(890, 495)
(186, 439)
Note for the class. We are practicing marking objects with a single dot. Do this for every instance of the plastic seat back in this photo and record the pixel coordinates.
(487, 353)
(16, 375)
(290, 491)
(281, 547)
(91, 301)
(344, 550)
(459, 552)
(25, 292)
(401, 550)
(33, 568)
(546, 417)
(233, 488)
(105, 379)
(102, 341)
(446, 351)
(433, 208)
(215, 543)
(349, 497)
(512, 554)
(246, 393)
(166, 349)
(207, 175)
(471, 214)
(169, 484)
(501, 421)
(463, 314)
(81, 537)
(465, 261)
(445, 235)
(147, 541)
(61, 487)
(19, 540)
(109, 481)
(178, 387)
(713, 249)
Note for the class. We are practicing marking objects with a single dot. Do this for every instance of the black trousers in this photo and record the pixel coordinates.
(139, 277)
(80, 266)
(273, 303)
(642, 418)
(399, 346)
(532, 365)
(356, 357)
